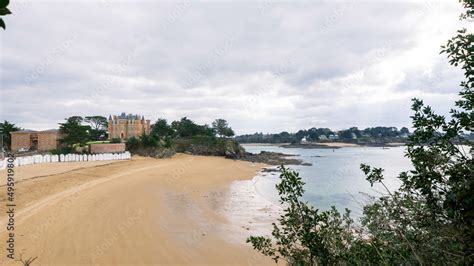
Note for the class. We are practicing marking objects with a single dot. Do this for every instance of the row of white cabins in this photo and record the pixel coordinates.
(47, 158)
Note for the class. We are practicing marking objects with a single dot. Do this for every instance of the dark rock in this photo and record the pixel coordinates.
(233, 150)
(210, 146)
(155, 152)
(270, 170)
(272, 158)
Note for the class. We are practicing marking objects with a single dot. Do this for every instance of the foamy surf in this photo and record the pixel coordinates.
(247, 211)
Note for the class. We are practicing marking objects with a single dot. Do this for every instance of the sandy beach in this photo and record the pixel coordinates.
(181, 210)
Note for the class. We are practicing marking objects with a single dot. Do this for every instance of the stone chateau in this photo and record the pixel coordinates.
(125, 126)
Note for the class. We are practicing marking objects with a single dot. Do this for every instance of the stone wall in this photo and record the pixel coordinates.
(47, 141)
(20, 141)
(107, 148)
(35, 140)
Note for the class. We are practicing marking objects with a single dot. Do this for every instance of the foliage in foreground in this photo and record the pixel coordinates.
(4, 11)
(306, 236)
(429, 220)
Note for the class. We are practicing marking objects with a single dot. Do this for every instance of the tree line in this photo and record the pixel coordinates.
(322, 134)
(164, 134)
(78, 131)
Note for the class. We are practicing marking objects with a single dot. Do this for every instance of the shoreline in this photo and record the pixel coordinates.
(178, 210)
(248, 209)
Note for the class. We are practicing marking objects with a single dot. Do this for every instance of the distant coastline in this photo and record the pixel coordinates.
(327, 145)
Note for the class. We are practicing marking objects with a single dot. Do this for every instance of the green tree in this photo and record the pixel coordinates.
(314, 133)
(187, 128)
(98, 125)
(132, 143)
(432, 213)
(6, 128)
(115, 140)
(4, 11)
(306, 236)
(74, 132)
(148, 141)
(404, 130)
(349, 133)
(161, 129)
(221, 127)
(229, 132)
(300, 135)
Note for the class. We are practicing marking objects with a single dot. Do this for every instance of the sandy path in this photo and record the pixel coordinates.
(143, 211)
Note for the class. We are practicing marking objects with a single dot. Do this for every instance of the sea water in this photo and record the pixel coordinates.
(335, 178)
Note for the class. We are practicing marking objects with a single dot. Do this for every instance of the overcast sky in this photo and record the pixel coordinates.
(263, 66)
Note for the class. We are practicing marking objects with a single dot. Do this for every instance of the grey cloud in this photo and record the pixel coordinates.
(263, 66)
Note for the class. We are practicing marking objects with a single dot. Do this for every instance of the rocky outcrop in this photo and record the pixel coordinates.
(155, 152)
(273, 158)
(233, 150)
(228, 148)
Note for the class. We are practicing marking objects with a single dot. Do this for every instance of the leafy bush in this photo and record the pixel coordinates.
(306, 236)
(62, 150)
(115, 140)
(168, 142)
(148, 141)
(132, 143)
(187, 128)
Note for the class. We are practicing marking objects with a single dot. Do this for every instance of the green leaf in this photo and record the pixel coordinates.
(4, 11)
(2, 24)
(4, 3)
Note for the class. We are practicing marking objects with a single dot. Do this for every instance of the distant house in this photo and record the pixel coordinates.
(404, 135)
(25, 140)
(353, 135)
(323, 137)
(333, 137)
(304, 140)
